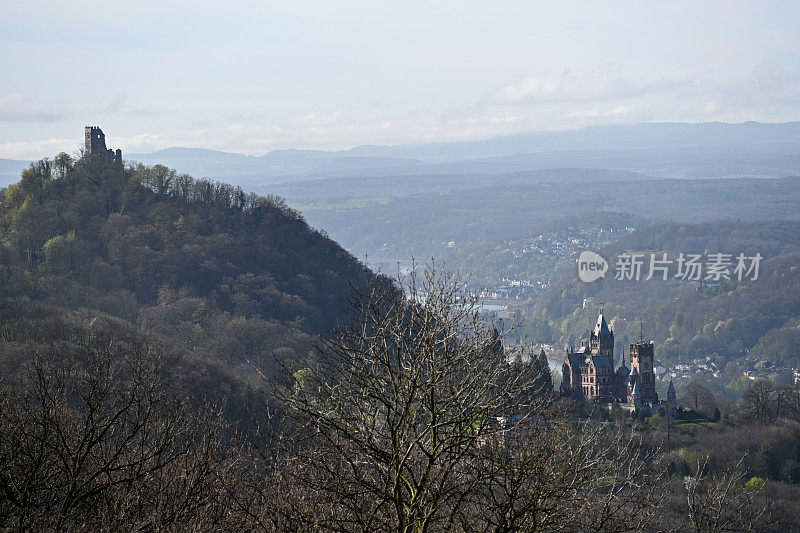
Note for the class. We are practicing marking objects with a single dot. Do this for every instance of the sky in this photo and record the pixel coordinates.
(250, 77)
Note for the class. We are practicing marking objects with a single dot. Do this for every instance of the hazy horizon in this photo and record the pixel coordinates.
(249, 77)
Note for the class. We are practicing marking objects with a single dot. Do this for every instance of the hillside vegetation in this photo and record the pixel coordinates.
(742, 322)
(423, 225)
(235, 277)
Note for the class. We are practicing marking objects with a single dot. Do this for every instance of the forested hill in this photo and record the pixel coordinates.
(231, 276)
(744, 323)
(33, 331)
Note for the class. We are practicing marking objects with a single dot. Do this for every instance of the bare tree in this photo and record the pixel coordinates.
(391, 415)
(698, 397)
(412, 418)
(792, 402)
(555, 475)
(759, 400)
(725, 501)
(787, 401)
(97, 439)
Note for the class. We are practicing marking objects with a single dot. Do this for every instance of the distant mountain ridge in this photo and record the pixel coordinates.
(665, 149)
(10, 170)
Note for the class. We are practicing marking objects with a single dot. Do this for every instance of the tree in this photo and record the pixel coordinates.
(96, 439)
(408, 419)
(397, 402)
(792, 404)
(62, 163)
(725, 501)
(787, 400)
(542, 370)
(698, 397)
(554, 476)
(758, 400)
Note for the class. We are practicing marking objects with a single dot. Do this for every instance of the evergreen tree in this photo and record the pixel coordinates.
(544, 380)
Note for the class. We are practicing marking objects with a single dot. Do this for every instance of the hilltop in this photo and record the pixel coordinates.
(232, 278)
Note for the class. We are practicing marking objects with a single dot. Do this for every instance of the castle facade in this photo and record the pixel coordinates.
(589, 374)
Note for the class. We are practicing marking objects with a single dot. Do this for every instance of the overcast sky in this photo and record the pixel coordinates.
(251, 77)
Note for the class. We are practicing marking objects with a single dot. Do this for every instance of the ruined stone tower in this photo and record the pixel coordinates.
(95, 144)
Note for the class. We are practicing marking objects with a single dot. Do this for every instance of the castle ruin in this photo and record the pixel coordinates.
(95, 144)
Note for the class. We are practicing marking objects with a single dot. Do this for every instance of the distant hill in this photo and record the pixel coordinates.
(424, 224)
(328, 189)
(742, 322)
(238, 168)
(518, 257)
(230, 277)
(661, 149)
(642, 136)
(10, 170)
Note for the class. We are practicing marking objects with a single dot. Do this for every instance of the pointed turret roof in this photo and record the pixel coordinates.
(634, 372)
(635, 390)
(671, 388)
(601, 329)
(622, 369)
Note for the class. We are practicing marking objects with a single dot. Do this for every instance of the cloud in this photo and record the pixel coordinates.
(145, 111)
(116, 105)
(768, 93)
(332, 131)
(506, 120)
(37, 149)
(317, 120)
(119, 105)
(617, 111)
(17, 107)
(598, 85)
(769, 84)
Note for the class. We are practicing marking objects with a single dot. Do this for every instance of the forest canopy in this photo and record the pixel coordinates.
(236, 277)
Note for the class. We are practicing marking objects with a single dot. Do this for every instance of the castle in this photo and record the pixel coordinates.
(588, 373)
(95, 144)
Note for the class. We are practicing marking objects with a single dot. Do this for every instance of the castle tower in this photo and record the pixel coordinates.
(95, 141)
(621, 380)
(636, 396)
(632, 379)
(642, 357)
(601, 338)
(671, 392)
(95, 144)
(671, 399)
